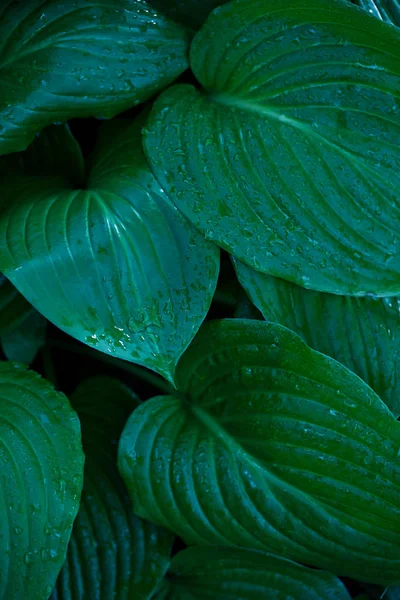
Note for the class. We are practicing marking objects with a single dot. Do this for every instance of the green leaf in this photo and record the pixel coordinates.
(270, 445)
(24, 341)
(238, 574)
(41, 473)
(113, 554)
(361, 333)
(113, 264)
(88, 58)
(13, 306)
(385, 10)
(289, 156)
(191, 13)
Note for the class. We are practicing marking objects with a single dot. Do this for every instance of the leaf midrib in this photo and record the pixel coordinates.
(267, 111)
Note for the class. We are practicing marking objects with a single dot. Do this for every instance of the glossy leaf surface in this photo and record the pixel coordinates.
(113, 264)
(274, 446)
(361, 333)
(385, 10)
(201, 573)
(60, 60)
(289, 156)
(113, 554)
(41, 474)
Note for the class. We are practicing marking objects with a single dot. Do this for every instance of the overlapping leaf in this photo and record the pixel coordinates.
(361, 333)
(273, 446)
(114, 264)
(289, 156)
(385, 10)
(113, 554)
(86, 58)
(238, 574)
(41, 472)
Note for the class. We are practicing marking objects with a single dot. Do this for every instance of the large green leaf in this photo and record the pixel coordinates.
(192, 13)
(86, 58)
(289, 158)
(361, 333)
(113, 554)
(201, 573)
(41, 473)
(386, 10)
(270, 445)
(114, 264)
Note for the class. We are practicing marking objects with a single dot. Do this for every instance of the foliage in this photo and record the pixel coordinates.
(200, 207)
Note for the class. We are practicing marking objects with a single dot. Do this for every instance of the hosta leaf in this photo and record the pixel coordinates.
(386, 10)
(113, 264)
(361, 333)
(113, 554)
(238, 574)
(192, 13)
(273, 446)
(289, 157)
(23, 342)
(41, 472)
(87, 58)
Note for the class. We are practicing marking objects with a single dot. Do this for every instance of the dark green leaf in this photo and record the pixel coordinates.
(289, 158)
(192, 13)
(113, 554)
(274, 446)
(361, 333)
(41, 473)
(23, 342)
(385, 10)
(80, 59)
(114, 264)
(237, 574)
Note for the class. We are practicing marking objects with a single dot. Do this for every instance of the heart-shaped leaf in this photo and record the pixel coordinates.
(60, 60)
(289, 158)
(385, 10)
(114, 264)
(41, 474)
(273, 446)
(113, 554)
(201, 573)
(192, 13)
(361, 333)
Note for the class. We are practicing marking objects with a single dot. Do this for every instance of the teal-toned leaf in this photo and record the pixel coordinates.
(191, 13)
(385, 10)
(393, 593)
(41, 474)
(13, 306)
(271, 445)
(113, 264)
(24, 341)
(238, 574)
(113, 554)
(60, 60)
(361, 333)
(289, 157)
